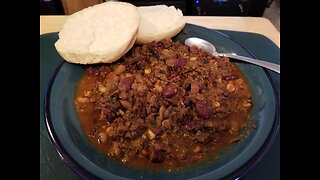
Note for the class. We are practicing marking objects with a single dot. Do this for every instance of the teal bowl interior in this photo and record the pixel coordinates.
(76, 150)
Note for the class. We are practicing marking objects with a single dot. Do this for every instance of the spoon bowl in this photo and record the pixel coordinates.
(207, 46)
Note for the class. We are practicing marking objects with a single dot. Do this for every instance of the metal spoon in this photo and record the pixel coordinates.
(203, 44)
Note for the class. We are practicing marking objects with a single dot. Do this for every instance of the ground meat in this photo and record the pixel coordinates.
(163, 106)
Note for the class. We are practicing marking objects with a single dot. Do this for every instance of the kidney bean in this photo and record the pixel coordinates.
(109, 115)
(176, 62)
(170, 92)
(125, 83)
(203, 110)
(173, 74)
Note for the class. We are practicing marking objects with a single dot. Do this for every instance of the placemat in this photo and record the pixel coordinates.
(52, 167)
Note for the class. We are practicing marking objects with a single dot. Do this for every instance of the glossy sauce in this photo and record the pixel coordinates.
(138, 136)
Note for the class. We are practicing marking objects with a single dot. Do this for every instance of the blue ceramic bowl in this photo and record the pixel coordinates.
(234, 161)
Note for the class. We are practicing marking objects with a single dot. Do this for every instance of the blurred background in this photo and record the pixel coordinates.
(269, 9)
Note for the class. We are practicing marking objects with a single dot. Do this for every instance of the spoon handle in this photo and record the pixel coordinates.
(271, 66)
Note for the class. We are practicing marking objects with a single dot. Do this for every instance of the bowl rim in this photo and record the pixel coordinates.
(63, 154)
(236, 174)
